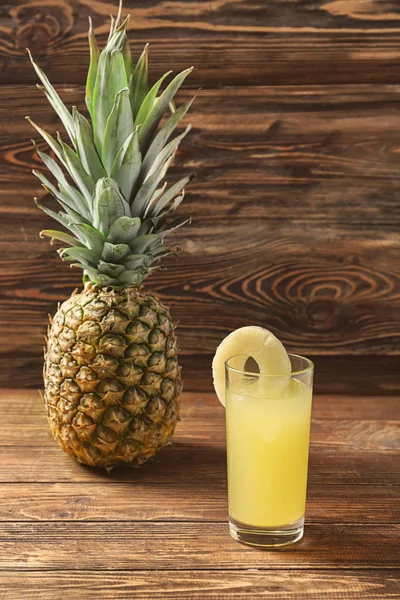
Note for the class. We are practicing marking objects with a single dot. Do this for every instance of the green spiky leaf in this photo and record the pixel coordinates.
(55, 101)
(163, 136)
(164, 155)
(148, 102)
(174, 226)
(138, 83)
(63, 200)
(136, 261)
(130, 277)
(85, 146)
(126, 51)
(110, 183)
(92, 73)
(61, 236)
(69, 194)
(145, 194)
(170, 194)
(83, 255)
(114, 252)
(108, 205)
(119, 127)
(110, 269)
(60, 217)
(97, 278)
(124, 230)
(84, 181)
(94, 239)
(143, 243)
(156, 113)
(49, 139)
(127, 164)
(111, 79)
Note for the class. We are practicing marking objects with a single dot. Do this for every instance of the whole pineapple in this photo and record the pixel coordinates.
(111, 374)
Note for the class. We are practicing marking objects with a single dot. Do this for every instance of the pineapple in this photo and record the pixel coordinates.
(111, 374)
(251, 342)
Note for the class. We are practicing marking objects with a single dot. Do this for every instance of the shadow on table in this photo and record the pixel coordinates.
(179, 463)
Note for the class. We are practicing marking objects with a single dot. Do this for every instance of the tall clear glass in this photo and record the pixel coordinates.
(268, 432)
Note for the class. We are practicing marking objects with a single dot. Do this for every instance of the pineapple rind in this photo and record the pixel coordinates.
(112, 379)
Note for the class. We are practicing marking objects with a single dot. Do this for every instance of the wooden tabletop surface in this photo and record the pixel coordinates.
(160, 532)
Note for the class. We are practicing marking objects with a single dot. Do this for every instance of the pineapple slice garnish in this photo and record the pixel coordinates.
(249, 342)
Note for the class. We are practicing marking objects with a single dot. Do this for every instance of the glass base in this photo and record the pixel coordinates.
(267, 537)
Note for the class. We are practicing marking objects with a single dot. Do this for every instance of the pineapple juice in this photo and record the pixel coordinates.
(268, 429)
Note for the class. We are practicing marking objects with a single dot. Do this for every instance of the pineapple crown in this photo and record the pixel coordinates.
(109, 179)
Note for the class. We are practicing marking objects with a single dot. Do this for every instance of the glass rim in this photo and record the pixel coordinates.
(307, 369)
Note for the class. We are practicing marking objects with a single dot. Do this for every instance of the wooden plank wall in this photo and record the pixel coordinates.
(295, 208)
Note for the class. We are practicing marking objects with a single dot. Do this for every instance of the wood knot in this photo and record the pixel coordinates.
(322, 314)
(34, 36)
(38, 25)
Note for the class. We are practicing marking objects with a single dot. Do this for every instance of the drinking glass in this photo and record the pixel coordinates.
(268, 431)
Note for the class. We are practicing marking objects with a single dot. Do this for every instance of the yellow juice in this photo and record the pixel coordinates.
(267, 441)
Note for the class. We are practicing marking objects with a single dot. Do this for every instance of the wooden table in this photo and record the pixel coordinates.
(158, 532)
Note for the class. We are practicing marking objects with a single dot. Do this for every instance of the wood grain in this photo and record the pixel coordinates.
(354, 434)
(161, 531)
(316, 303)
(368, 436)
(26, 405)
(294, 144)
(201, 585)
(192, 463)
(311, 172)
(229, 43)
(183, 546)
(367, 375)
(295, 227)
(179, 502)
(345, 449)
(361, 375)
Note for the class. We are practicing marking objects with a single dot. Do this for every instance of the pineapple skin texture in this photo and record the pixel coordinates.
(111, 375)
